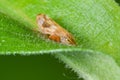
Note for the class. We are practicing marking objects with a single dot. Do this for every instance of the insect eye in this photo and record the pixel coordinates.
(46, 24)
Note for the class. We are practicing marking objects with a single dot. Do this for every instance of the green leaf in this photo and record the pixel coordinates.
(93, 23)
(91, 65)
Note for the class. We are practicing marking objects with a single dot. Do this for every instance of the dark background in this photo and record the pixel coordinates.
(39, 67)
(118, 1)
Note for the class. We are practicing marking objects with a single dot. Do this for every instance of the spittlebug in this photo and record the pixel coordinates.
(53, 31)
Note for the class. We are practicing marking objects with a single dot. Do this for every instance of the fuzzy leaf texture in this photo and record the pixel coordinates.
(93, 23)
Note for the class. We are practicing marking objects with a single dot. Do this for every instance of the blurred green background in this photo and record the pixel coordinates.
(35, 67)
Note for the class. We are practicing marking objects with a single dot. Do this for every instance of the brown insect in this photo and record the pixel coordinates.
(53, 30)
